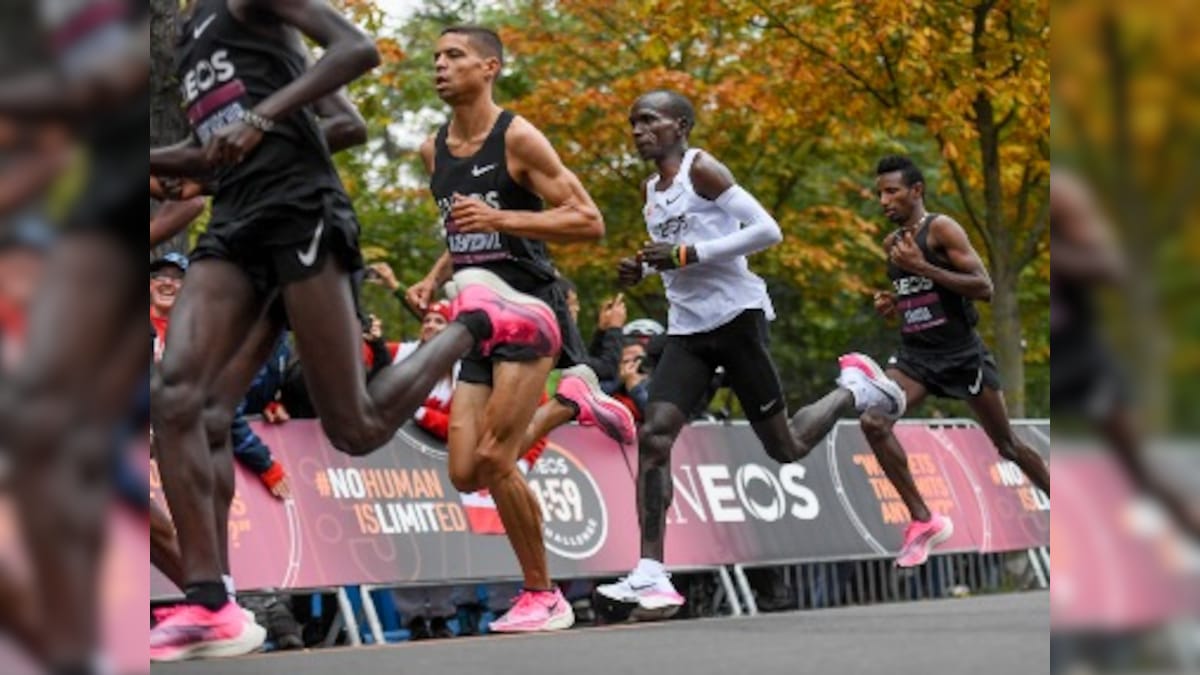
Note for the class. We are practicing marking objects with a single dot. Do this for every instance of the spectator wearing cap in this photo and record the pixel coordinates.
(166, 280)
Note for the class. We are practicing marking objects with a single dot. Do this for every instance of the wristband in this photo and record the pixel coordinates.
(257, 121)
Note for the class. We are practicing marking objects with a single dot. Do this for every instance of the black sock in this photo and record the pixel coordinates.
(569, 403)
(210, 595)
(477, 324)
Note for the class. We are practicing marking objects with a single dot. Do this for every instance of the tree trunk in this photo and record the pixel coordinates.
(1007, 347)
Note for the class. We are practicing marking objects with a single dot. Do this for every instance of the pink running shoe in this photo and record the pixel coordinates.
(580, 385)
(191, 631)
(920, 538)
(871, 386)
(517, 319)
(536, 611)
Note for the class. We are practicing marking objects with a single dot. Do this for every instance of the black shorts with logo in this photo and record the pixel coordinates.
(960, 374)
(477, 369)
(285, 244)
(685, 369)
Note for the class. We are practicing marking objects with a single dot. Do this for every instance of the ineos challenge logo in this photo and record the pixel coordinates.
(575, 521)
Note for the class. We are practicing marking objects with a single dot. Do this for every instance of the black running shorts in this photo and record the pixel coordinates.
(687, 364)
(958, 374)
(286, 244)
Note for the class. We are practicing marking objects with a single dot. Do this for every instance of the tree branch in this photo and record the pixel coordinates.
(850, 72)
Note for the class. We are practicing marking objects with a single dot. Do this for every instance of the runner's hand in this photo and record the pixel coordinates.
(629, 271)
(231, 144)
(419, 295)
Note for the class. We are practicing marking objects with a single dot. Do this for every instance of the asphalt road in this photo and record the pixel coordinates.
(1000, 634)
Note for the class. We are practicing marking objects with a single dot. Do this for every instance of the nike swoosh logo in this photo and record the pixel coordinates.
(672, 201)
(974, 390)
(307, 258)
(641, 588)
(767, 406)
(203, 27)
(478, 171)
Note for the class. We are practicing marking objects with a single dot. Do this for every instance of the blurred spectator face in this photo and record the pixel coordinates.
(165, 283)
(20, 269)
(435, 321)
(633, 355)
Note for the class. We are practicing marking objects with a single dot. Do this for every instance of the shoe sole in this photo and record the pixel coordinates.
(561, 622)
(251, 640)
(585, 373)
(933, 543)
(474, 276)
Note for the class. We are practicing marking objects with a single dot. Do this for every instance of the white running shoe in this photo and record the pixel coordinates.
(872, 388)
(651, 590)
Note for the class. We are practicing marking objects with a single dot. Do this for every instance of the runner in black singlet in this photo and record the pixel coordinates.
(936, 274)
(490, 172)
(86, 344)
(1087, 382)
(281, 228)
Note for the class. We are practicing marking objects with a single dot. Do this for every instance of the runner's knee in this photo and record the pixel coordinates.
(354, 437)
(176, 401)
(654, 443)
(875, 427)
(465, 478)
(217, 421)
(494, 460)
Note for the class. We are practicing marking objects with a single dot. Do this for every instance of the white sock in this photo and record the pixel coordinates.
(651, 567)
(230, 589)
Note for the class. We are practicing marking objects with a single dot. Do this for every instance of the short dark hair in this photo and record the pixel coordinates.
(677, 105)
(908, 171)
(484, 39)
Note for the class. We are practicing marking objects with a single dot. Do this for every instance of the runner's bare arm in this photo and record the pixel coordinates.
(341, 123)
(348, 52)
(181, 159)
(969, 277)
(1082, 244)
(571, 216)
(172, 218)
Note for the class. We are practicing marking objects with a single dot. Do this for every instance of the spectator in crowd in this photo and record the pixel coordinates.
(22, 257)
(166, 278)
(633, 385)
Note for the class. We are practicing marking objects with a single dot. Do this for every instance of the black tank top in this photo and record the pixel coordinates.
(523, 263)
(117, 136)
(224, 68)
(1072, 313)
(933, 317)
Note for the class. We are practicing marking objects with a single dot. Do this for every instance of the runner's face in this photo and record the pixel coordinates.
(655, 133)
(459, 70)
(898, 200)
(164, 288)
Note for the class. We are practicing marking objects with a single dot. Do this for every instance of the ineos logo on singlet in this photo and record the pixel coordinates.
(910, 285)
(206, 74)
(472, 247)
(671, 228)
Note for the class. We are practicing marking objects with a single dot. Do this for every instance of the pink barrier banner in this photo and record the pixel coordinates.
(393, 517)
(1117, 561)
